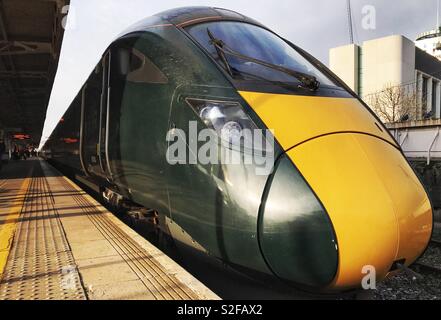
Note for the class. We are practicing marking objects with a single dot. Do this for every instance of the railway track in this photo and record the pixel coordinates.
(428, 268)
(425, 268)
(435, 243)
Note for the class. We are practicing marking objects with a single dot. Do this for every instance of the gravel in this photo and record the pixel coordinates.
(432, 257)
(404, 286)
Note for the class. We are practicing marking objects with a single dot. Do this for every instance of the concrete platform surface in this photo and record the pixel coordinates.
(57, 242)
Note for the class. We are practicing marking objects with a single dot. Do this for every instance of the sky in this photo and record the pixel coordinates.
(314, 25)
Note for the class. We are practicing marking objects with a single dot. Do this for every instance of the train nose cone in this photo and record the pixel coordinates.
(378, 208)
(296, 235)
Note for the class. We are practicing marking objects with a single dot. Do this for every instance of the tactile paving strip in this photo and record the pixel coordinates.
(40, 265)
(162, 285)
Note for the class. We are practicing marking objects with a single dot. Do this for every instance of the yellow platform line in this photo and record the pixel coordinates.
(7, 229)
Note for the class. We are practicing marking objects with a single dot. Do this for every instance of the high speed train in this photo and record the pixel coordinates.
(340, 197)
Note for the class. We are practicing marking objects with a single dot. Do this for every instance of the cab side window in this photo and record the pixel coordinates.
(137, 89)
(142, 70)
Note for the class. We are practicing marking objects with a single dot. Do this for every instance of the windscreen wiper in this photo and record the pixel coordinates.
(274, 82)
(218, 44)
(223, 50)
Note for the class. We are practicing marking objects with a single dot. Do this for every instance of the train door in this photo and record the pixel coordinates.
(139, 102)
(94, 120)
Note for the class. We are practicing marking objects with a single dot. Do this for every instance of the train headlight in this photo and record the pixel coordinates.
(233, 126)
(232, 132)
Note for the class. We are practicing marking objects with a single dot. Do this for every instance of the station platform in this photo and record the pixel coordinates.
(57, 242)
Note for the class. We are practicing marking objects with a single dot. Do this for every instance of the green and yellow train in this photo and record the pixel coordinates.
(341, 195)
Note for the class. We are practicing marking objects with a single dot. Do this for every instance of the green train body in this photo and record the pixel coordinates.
(114, 136)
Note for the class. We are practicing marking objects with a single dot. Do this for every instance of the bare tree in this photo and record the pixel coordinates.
(394, 103)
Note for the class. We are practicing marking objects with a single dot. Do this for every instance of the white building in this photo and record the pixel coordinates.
(390, 61)
(430, 42)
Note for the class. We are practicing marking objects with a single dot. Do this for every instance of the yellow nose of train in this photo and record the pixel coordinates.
(379, 210)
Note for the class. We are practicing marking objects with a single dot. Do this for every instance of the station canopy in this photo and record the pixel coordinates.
(31, 34)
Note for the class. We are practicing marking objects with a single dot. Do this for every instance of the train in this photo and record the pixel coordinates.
(340, 196)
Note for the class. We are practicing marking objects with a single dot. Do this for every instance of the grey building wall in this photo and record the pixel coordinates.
(390, 61)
